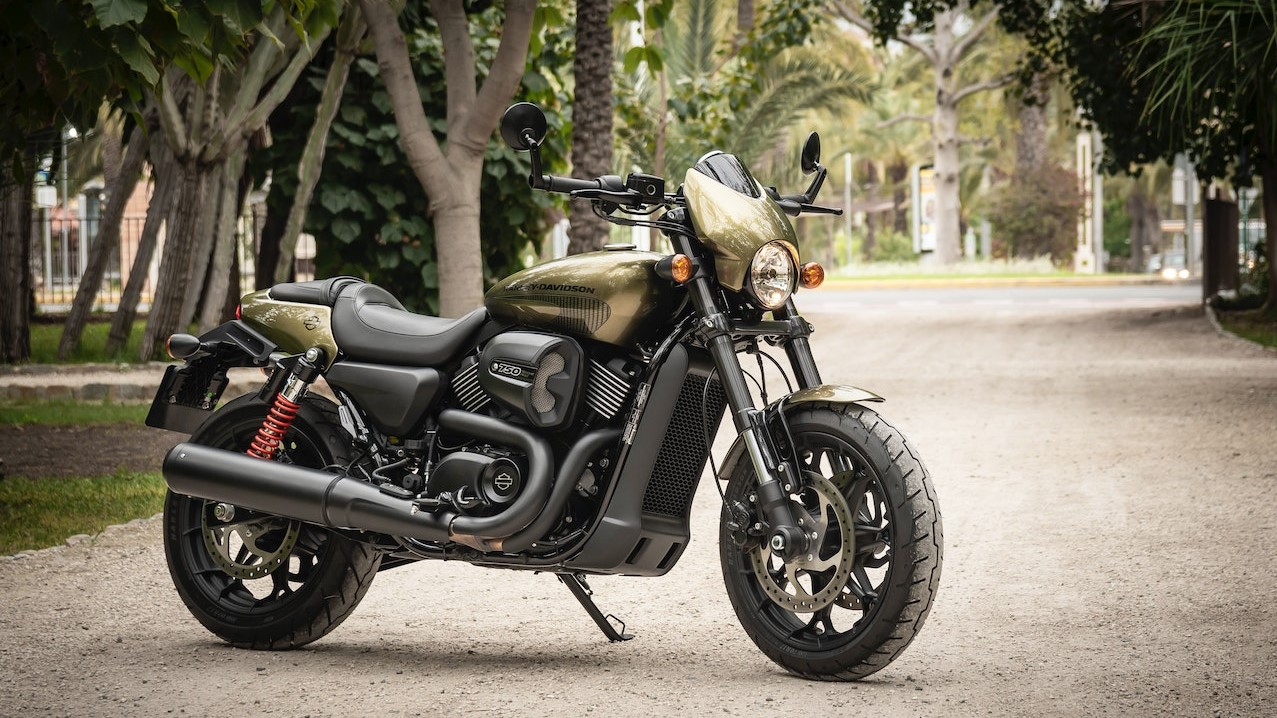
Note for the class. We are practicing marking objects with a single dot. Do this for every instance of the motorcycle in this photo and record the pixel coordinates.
(562, 427)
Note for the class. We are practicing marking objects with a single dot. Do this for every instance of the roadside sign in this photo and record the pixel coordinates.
(924, 208)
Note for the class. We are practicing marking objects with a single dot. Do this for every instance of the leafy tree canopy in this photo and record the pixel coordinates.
(60, 59)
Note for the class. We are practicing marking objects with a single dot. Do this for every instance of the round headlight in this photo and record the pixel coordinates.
(771, 275)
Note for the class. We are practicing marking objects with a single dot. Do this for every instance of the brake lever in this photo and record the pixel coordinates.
(816, 209)
(625, 199)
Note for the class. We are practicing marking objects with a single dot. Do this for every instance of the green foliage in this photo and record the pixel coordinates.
(1036, 215)
(1117, 226)
(368, 215)
(723, 94)
(36, 513)
(892, 247)
(60, 59)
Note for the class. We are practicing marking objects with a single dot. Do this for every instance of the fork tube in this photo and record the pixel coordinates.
(798, 349)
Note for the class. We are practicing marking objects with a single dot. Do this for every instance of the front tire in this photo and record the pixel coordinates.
(260, 581)
(851, 606)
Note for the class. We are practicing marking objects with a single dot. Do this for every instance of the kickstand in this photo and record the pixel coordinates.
(579, 588)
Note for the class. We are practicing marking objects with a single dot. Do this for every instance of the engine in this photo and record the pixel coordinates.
(478, 482)
(542, 380)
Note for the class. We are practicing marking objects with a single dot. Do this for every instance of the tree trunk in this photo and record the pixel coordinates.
(164, 170)
(451, 182)
(15, 264)
(744, 22)
(224, 235)
(591, 118)
(662, 123)
(175, 267)
(1135, 210)
(1268, 173)
(1030, 139)
(108, 239)
(312, 160)
(944, 136)
(204, 241)
(459, 251)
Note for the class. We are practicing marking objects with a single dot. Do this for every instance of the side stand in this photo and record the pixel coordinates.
(579, 588)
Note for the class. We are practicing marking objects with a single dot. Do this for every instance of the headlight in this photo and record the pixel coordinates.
(771, 274)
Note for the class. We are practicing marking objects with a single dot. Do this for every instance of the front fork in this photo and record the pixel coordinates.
(777, 478)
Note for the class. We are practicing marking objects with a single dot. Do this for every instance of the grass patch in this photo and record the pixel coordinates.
(1252, 325)
(45, 337)
(36, 513)
(64, 413)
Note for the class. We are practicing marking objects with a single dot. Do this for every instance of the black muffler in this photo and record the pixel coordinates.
(320, 497)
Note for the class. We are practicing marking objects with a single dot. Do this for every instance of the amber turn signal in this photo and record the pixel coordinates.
(811, 275)
(677, 267)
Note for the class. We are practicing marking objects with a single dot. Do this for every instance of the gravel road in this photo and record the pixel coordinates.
(1108, 483)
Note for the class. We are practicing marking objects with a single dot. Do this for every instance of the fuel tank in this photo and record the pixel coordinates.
(613, 296)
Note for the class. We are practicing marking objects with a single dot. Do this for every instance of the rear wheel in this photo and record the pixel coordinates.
(257, 580)
(856, 600)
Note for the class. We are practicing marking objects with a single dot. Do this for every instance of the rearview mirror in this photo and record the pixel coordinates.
(811, 152)
(523, 126)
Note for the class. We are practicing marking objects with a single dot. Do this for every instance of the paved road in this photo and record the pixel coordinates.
(1002, 298)
(1108, 483)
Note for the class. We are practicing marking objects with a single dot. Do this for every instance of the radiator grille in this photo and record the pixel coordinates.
(683, 450)
(466, 386)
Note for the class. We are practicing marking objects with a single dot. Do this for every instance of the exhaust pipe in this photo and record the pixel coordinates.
(319, 497)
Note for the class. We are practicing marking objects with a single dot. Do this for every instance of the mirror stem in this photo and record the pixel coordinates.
(814, 189)
(535, 180)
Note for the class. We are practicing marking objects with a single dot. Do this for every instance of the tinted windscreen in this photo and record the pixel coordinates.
(729, 172)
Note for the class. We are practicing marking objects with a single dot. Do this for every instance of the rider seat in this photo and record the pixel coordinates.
(369, 324)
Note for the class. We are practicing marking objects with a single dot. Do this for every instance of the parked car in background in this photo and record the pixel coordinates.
(1171, 265)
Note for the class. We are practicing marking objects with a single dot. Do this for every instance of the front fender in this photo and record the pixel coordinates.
(827, 393)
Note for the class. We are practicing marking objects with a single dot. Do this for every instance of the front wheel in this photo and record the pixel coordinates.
(856, 600)
(257, 580)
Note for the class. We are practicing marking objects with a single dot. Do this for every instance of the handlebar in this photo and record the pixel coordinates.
(553, 183)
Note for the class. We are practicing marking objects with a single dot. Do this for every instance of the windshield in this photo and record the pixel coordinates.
(728, 171)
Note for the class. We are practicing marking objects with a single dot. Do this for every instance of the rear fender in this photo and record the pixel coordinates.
(188, 393)
(822, 393)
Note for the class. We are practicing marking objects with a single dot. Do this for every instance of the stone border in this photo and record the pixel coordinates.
(71, 369)
(79, 539)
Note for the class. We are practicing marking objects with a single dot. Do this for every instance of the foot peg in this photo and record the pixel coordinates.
(579, 588)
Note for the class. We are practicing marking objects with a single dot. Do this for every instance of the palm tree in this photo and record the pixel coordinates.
(703, 107)
(591, 116)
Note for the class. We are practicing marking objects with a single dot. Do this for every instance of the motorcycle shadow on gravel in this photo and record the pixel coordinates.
(602, 660)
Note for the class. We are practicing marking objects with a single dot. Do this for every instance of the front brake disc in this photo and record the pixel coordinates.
(814, 580)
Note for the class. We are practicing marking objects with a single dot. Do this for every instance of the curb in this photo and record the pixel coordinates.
(1214, 322)
(99, 368)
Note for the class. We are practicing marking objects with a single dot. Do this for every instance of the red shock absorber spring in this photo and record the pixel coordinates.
(278, 419)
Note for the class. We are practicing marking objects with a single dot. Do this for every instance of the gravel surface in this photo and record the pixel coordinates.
(1107, 480)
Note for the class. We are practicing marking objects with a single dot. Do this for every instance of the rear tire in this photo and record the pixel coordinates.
(892, 561)
(320, 577)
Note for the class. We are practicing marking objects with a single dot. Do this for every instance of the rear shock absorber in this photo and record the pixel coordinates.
(284, 407)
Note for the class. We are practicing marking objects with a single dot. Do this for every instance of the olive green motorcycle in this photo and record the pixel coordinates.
(562, 427)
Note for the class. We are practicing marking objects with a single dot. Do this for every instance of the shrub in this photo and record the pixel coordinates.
(1036, 214)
